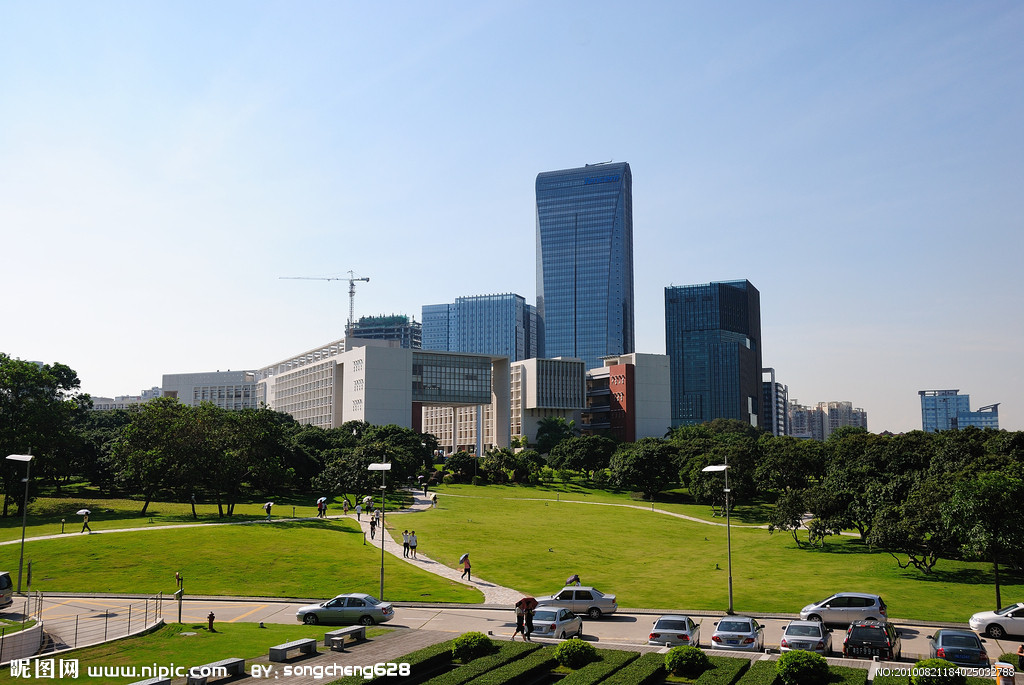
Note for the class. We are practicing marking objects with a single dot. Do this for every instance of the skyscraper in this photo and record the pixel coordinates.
(585, 262)
(713, 339)
(947, 409)
(483, 324)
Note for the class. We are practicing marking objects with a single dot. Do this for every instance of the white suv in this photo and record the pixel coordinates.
(845, 608)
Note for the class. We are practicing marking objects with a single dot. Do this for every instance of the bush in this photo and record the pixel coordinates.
(449, 478)
(946, 673)
(687, 661)
(575, 653)
(798, 667)
(469, 646)
(479, 480)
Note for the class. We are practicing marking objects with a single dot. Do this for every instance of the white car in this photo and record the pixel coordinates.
(556, 622)
(582, 600)
(1001, 622)
(674, 631)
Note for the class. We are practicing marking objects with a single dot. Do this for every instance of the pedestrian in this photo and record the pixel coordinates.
(413, 541)
(85, 523)
(528, 623)
(344, 506)
(359, 510)
(424, 489)
(319, 509)
(433, 499)
(373, 527)
(520, 617)
(380, 515)
(405, 542)
(574, 579)
(465, 568)
(267, 507)
(178, 579)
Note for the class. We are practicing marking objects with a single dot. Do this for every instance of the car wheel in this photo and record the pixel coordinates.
(579, 631)
(594, 613)
(995, 630)
(815, 617)
(366, 620)
(561, 636)
(310, 619)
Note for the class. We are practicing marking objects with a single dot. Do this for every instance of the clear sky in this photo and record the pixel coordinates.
(162, 164)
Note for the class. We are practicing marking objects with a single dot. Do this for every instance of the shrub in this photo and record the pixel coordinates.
(469, 646)
(798, 667)
(449, 478)
(575, 653)
(945, 673)
(479, 480)
(687, 661)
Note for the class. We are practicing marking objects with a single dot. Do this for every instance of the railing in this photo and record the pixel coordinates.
(97, 626)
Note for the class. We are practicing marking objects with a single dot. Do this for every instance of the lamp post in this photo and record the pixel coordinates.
(27, 458)
(383, 468)
(715, 468)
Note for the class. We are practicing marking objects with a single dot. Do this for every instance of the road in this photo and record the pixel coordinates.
(626, 628)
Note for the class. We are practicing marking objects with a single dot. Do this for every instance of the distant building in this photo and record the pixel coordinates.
(585, 262)
(124, 401)
(398, 327)
(819, 422)
(713, 339)
(948, 410)
(774, 404)
(545, 388)
(629, 398)
(233, 390)
(501, 324)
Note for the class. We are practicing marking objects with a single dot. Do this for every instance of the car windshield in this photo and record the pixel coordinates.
(959, 641)
(1006, 610)
(543, 616)
(804, 631)
(665, 624)
(822, 601)
(868, 634)
(371, 600)
(734, 626)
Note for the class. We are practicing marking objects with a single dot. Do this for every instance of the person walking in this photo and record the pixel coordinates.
(359, 510)
(405, 543)
(413, 541)
(267, 508)
(528, 623)
(433, 499)
(465, 568)
(373, 527)
(344, 506)
(520, 618)
(85, 523)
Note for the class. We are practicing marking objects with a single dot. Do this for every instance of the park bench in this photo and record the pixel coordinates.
(232, 666)
(305, 646)
(336, 638)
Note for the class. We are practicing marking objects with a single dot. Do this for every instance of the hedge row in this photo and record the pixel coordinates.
(725, 670)
(507, 651)
(611, 660)
(525, 668)
(649, 668)
(424, 659)
(847, 675)
(761, 672)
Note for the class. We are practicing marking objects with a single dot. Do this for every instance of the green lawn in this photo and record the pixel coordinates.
(657, 561)
(313, 558)
(171, 645)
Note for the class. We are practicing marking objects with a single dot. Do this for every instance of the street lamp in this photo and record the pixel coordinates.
(382, 468)
(715, 468)
(27, 458)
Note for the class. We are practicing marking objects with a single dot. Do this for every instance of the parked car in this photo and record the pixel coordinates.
(556, 622)
(6, 590)
(673, 631)
(873, 638)
(810, 636)
(738, 632)
(961, 647)
(582, 600)
(351, 608)
(1001, 622)
(845, 608)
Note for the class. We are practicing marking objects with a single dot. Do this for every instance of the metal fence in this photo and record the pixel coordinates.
(95, 626)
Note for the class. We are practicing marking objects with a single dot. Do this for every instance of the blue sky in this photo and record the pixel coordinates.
(163, 164)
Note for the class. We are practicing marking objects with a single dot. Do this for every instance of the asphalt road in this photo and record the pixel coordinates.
(625, 628)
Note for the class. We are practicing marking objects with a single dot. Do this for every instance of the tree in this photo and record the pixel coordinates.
(648, 465)
(788, 514)
(985, 512)
(915, 527)
(552, 430)
(586, 453)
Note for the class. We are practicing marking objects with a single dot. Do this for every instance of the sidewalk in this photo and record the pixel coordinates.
(493, 594)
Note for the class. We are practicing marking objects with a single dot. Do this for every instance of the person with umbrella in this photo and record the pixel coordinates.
(267, 507)
(321, 508)
(464, 560)
(84, 513)
(525, 607)
(574, 579)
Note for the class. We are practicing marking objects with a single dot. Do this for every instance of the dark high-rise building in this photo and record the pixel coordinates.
(585, 262)
(713, 339)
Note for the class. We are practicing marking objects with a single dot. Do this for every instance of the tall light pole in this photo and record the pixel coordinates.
(383, 468)
(728, 530)
(27, 458)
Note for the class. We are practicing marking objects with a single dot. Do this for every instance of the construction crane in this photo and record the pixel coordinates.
(352, 280)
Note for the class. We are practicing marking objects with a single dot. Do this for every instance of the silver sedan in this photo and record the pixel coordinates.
(557, 622)
(738, 632)
(810, 636)
(673, 631)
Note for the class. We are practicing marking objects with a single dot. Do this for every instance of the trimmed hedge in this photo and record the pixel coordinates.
(649, 668)
(725, 670)
(527, 667)
(1011, 659)
(575, 653)
(848, 675)
(760, 673)
(472, 645)
(609, 661)
(424, 659)
(800, 667)
(507, 652)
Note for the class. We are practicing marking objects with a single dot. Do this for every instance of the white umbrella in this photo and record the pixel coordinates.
(83, 512)
(463, 557)
(268, 504)
(322, 499)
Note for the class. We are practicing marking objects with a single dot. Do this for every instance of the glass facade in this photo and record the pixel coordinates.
(713, 340)
(585, 262)
(501, 325)
(439, 378)
(948, 410)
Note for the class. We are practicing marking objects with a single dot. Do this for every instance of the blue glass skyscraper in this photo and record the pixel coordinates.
(585, 262)
(713, 340)
(483, 324)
